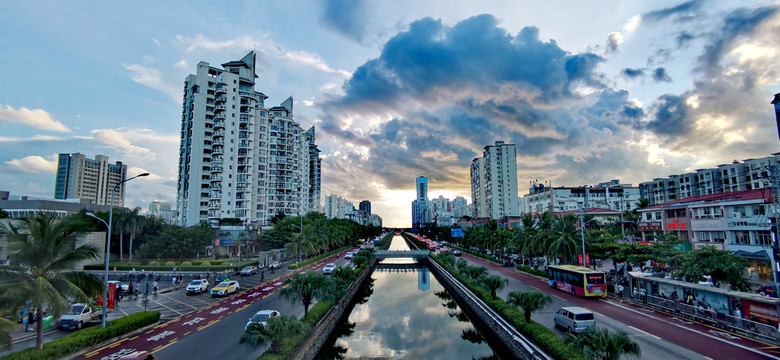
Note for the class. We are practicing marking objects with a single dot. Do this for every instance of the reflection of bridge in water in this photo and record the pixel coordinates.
(423, 273)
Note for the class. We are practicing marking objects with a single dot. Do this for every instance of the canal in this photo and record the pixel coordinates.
(404, 313)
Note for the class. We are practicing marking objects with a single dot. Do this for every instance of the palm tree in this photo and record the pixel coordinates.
(304, 288)
(275, 329)
(529, 301)
(601, 344)
(135, 226)
(43, 252)
(492, 283)
(6, 327)
(563, 236)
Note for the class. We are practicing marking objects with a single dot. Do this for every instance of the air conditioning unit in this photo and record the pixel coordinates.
(736, 215)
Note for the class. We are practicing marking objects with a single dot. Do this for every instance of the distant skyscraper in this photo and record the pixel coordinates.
(82, 178)
(420, 204)
(365, 207)
(494, 182)
(776, 103)
(237, 158)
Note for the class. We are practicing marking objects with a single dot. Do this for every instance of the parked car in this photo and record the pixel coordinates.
(249, 270)
(225, 288)
(221, 277)
(329, 268)
(275, 265)
(197, 286)
(125, 287)
(456, 252)
(766, 290)
(78, 315)
(261, 317)
(574, 319)
(348, 255)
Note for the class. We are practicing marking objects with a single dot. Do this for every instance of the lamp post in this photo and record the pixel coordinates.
(108, 245)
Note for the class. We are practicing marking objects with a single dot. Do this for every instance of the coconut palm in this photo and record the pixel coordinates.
(43, 253)
(135, 225)
(564, 237)
(601, 344)
(6, 327)
(275, 329)
(305, 288)
(529, 301)
(492, 283)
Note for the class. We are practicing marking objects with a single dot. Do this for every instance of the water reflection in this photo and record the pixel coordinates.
(403, 320)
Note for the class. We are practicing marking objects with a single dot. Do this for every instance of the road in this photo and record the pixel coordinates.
(661, 336)
(212, 327)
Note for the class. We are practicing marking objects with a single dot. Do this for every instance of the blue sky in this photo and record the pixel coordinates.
(588, 91)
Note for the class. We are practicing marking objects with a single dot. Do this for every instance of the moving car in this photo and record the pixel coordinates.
(225, 288)
(120, 285)
(197, 286)
(574, 319)
(329, 268)
(139, 355)
(261, 317)
(249, 270)
(348, 255)
(456, 252)
(77, 316)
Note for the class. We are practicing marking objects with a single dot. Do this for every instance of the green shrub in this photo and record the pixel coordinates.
(185, 263)
(196, 263)
(86, 338)
(531, 271)
(154, 263)
(205, 263)
(170, 264)
(293, 266)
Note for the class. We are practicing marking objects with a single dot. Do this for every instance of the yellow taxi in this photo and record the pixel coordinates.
(224, 288)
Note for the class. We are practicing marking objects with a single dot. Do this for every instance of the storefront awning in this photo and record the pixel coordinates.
(758, 255)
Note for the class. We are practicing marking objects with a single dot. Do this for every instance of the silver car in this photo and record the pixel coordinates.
(574, 319)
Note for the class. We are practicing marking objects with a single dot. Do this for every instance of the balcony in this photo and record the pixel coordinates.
(215, 178)
(221, 89)
(219, 133)
(218, 150)
(216, 169)
(221, 99)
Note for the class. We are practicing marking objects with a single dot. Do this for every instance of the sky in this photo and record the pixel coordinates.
(588, 91)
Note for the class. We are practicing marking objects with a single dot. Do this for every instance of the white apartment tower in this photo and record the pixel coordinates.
(494, 182)
(237, 158)
(87, 179)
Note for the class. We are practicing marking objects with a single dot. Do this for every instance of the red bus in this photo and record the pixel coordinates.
(578, 280)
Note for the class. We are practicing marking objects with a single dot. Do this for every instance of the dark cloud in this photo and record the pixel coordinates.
(736, 25)
(347, 17)
(633, 73)
(670, 117)
(683, 11)
(659, 74)
(683, 38)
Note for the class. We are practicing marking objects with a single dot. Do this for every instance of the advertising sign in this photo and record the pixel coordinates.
(457, 232)
(111, 295)
(587, 259)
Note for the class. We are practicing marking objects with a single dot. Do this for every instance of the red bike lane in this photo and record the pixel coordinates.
(168, 333)
(708, 341)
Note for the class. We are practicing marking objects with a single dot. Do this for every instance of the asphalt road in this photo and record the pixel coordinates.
(660, 336)
(205, 327)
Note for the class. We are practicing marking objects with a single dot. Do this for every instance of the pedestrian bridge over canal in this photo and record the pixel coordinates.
(387, 254)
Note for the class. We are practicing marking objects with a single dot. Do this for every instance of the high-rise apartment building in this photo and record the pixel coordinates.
(237, 158)
(365, 207)
(494, 182)
(420, 204)
(87, 179)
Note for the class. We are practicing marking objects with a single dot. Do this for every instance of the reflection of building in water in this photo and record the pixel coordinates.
(423, 279)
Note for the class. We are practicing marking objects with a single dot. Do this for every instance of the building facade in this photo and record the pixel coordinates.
(237, 158)
(420, 212)
(743, 175)
(494, 182)
(607, 195)
(88, 179)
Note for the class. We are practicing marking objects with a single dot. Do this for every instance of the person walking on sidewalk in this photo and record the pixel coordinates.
(154, 285)
(620, 290)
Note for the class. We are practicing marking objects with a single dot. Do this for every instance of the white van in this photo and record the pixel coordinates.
(574, 319)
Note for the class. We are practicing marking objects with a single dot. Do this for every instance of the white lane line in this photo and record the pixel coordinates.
(695, 331)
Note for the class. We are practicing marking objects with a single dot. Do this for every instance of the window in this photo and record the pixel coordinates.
(764, 238)
(741, 238)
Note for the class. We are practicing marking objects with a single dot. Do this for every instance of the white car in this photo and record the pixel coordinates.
(329, 268)
(261, 317)
(348, 255)
(574, 319)
(249, 270)
(198, 286)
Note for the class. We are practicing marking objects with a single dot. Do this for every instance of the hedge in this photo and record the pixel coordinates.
(531, 271)
(211, 265)
(87, 337)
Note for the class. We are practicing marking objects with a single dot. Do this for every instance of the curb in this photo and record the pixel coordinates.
(109, 341)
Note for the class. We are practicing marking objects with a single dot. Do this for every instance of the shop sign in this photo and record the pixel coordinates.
(676, 224)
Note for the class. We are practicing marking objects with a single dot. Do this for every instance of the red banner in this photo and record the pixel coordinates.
(111, 296)
(587, 259)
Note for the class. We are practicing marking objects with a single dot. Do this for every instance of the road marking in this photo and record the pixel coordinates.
(238, 301)
(165, 306)
(559, 297)
(597, 313)
(207, 325)
(644, 332)
(91, 354)
(194, 321)
(187, 333)
(116, 343)
(182, 302)
(164, 346)
(695, 331)
(220, 310)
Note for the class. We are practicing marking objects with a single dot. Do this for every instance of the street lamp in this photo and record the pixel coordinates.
(108, 244)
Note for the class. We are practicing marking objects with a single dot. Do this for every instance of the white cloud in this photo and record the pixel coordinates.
(134, 171)
(116, 139)
(37, 118)
(33, 164)
(34, 138)
(153, 78)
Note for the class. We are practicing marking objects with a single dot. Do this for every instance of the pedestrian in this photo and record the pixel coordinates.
(620, 290)
(118, 293)
(173, 281)
(154, 285)
(137, 286)
(262, 275)
(130, 293)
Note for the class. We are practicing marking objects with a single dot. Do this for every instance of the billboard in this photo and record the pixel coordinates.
(457, 232)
